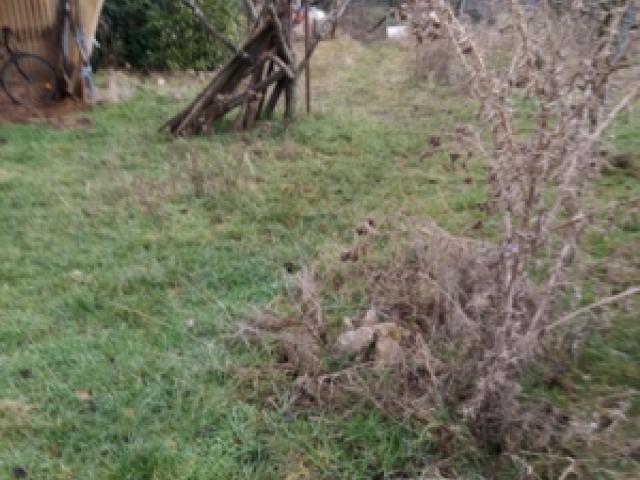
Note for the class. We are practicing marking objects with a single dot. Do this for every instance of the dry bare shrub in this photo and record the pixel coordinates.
(451, 322)
(424, 341)
(560, 72)
(425, 338)
(434, 57)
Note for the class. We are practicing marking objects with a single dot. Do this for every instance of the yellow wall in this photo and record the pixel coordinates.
(90, 14)
(35, 24)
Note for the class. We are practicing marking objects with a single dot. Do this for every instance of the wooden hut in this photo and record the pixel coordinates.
(36, 25)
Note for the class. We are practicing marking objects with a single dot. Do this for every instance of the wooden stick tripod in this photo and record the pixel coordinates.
(261, 72)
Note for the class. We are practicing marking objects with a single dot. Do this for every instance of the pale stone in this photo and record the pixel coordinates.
(388, 351)
(353, 342)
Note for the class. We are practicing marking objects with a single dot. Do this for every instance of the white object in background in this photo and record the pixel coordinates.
(316, 18)
(397, 32)
(316, 14)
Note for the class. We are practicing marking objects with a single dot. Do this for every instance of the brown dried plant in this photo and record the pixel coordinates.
(453, 322)
(561, 70)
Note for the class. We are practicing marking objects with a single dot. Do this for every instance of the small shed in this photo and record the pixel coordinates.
(37, 28)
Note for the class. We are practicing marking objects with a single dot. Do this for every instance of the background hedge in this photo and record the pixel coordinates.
(162, 34)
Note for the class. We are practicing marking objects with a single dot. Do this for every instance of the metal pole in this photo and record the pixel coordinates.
(307, 71)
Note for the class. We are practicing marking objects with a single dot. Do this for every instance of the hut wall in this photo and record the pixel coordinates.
(35, 25)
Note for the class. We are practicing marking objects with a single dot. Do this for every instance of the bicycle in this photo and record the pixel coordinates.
(26, 78)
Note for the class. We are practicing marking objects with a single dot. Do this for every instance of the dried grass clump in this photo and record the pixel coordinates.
(14, 415)
(189, 174)
(426, 339)
(436, 62)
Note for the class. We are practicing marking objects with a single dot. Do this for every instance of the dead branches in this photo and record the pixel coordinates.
(243, 82)
(561, 69)
(254, 80)
(600, 303)
(451, 322)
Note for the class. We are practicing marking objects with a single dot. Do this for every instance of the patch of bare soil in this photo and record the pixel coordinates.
(113, 87)
(60, 114)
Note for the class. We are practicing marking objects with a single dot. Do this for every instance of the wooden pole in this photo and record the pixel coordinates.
(289, 86)
(307, 70)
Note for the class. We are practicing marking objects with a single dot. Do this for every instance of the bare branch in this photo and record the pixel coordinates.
(604, 125)
(600, 303)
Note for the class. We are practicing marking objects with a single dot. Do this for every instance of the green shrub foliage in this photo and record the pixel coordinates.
(163, 34)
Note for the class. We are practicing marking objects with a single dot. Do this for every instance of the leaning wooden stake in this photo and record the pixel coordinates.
(307, 72)
(213, 102)
(287, 86)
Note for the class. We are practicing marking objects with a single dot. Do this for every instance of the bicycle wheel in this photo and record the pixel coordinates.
(30, 80)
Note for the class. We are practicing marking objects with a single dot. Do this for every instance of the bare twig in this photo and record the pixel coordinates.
(278, 61)
(606, 123)
(600, 303)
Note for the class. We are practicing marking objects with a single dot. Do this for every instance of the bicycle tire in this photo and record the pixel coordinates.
(29, 80)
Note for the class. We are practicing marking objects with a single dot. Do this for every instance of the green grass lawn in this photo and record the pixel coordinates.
(126, 258)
